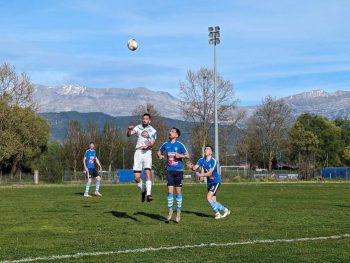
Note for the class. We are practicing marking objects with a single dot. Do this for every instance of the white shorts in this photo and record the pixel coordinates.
(142, 160)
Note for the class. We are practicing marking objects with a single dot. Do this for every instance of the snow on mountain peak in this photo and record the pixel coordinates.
(71, 90)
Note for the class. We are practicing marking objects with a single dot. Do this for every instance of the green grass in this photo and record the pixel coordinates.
(58, 220)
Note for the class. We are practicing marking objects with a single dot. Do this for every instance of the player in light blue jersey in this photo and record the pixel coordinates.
(213, 180)
(90, 171)
(175, 152)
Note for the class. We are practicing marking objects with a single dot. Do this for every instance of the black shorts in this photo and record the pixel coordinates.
(92, 173)
(213, 187)
(175, 178)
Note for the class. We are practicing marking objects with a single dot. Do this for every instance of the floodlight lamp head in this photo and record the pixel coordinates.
(210, 29)
(217, 28)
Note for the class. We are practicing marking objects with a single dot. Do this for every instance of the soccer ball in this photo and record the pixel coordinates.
(132, 44)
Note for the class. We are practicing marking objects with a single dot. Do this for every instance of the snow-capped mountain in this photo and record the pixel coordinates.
(121, 102)
(319, 102)
(112, 101)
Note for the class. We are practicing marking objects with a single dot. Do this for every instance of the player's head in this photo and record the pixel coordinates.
(91, 145)
(146, 119)
(208, 150)
(174, 133)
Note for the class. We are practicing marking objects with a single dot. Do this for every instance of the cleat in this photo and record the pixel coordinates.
(98, 194)
(226, 212)
(178, 217)
(87, 195)
(149, 198)
(143, 196)
(170, 214)
(218, 216)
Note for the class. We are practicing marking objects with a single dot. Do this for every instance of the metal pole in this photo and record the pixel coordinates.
(216, 112)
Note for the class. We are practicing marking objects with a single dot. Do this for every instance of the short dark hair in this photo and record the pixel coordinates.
(91, 143)
(177, 131)
(147, 114)
(209, 146)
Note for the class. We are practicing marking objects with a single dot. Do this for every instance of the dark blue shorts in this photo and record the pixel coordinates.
(213, 187)
(175, 178)
(92, 173)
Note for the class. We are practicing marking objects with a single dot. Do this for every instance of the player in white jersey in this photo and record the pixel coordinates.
(146, 137)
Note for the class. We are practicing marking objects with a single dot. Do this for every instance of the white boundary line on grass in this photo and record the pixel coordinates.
(152, 249)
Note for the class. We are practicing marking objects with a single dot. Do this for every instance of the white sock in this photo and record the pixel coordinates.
(139, 185)
(148, 187)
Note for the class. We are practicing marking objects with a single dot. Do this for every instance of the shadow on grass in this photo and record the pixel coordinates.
(122, 215)
(81, 193)
(152, 216)
(197, 213)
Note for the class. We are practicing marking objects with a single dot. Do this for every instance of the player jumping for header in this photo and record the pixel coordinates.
(213, 180)
(146, 137)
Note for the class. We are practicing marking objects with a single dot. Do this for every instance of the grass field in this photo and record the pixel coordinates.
(43, 221)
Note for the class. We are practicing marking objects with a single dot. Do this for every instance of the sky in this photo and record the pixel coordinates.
(268, 48)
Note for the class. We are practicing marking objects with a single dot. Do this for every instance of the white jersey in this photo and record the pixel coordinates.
(144, 134)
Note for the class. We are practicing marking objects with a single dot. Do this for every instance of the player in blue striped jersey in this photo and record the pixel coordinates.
(175, 152)
(213, 180)
(90, 171)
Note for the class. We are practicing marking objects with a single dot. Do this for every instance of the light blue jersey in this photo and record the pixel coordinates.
(207, 165)
(173, 163)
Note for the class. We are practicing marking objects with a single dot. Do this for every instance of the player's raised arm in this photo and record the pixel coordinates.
(192, 166)
(130, 130)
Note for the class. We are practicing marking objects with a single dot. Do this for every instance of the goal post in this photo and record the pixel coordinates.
(234, 170)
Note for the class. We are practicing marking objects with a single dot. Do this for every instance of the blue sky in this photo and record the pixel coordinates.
(276, 48)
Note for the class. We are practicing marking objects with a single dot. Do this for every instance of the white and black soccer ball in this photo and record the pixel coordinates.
(132, 44)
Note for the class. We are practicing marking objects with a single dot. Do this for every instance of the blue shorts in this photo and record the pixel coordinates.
(213, 187)
(92, 173)
(175, 178)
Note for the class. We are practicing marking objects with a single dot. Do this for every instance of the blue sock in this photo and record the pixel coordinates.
(214, 206)
(87, 187)
(179, 202)
(170, 201)
(97, 186)
(220, 206)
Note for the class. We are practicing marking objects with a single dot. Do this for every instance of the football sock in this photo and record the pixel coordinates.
(148, 187)
(170, 202)
(139, 185)
(97, 186)
(220, 206)
(214, 206)
(179, 202)
(87, 187)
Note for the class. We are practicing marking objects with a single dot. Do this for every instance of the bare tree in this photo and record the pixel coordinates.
(270, 125)
(197, 101)
(74, 146)
(16, 89)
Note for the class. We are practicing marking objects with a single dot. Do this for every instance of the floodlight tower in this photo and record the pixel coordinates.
(214, 39)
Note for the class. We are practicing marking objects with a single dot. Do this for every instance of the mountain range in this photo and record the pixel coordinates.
(121, 102)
